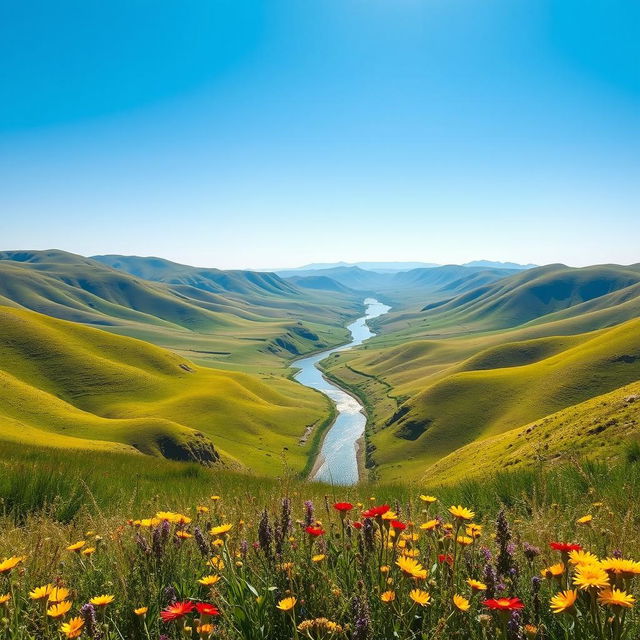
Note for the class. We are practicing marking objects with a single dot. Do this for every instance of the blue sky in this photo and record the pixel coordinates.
(274, 133)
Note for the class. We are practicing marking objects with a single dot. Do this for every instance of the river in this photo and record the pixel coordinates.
(338, 457)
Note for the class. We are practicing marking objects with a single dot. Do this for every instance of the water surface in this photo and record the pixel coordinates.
(338, 455)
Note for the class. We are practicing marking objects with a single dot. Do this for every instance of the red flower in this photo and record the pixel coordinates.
(314, 531)
(177, 610)
(565, 546)
(504, 604)
(445, 558)
(207, 609)
(375, 511)
(343, 506)
(357, 525)
(396, 524)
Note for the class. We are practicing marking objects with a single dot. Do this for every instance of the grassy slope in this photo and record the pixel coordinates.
(602, 427)
(63, 384)
(256, 325)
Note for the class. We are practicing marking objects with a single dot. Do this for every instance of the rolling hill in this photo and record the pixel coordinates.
(227, 319)
(66, 385)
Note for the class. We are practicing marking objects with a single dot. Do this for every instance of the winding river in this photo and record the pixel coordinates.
(338, 459)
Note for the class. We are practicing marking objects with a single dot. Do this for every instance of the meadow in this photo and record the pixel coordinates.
(98, 549)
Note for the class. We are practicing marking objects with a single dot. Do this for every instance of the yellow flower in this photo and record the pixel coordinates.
(476, 585)
(621, 567)
(428, 499)
(59, 610)
(101, 601)
(216, 498)
(184, 535)
(76, 546)
(530, 631)
(582, 557)
(389, 515)
(464, 540)
(474, 530)
(420, 597)
(204, 629)
(616, 598)
(5, 598)
(41, 592)
(430, 525)
(411, 567)
(141, 611)
(388, 596)
(318, 558)
(384, 568)
(209, 581)
(461, 603)
(590, 576)
(201, 509)
(58, 594)
(554, 571)
(221, 530)
(286, 604)
(461, 513)
(585, 519)
(88, 551)
(11, 563)
(217, 563)
(73, 628)
(148, 522)
(564, 601)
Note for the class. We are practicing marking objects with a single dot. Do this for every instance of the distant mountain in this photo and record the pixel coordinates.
(323, 283)
(488, 264)
(382, 267)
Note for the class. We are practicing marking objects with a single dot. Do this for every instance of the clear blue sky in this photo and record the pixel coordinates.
(242, 133)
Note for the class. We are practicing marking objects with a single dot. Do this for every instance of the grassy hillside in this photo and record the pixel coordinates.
(605, 428)
(257, 323)
(66, 385)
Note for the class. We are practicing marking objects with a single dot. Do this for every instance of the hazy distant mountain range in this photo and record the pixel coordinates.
(402, 266)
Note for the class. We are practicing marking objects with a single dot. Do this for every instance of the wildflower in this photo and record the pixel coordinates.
(554, 571)
(356, 525)
(60, 609)
(565, 547)
(58, 594)
(530, 552)
(217, 563)
(101, 601)
(530, 631)
(389, 515)
(183, 535)
(201, 509)
(221, 530)
(343, 507)
(374, 512)
(474, 530)
(73, 628)
(590, 576)
(204, 629)
(177, 610)
(445, 557)
(318, 557)
(420, 597)
(564, 602)
(388, 596)
(585, 519)
(504, 604)
(216, 498)
(621, 567)
(314, 532)
(616, 598)
(286, 604)
(11, 563)
(384, 568)
(461, 603)
(321, 624)
(411, 568)
(89, 551)
(5, 598)
(582, 557)
(40, 593)
(464, 540)
(428, 499)
(461, 513)
(209, 581)
(476, 585)
(204, 608)
(141, 611)
(430, 525)
(398, 526)
(76, 546)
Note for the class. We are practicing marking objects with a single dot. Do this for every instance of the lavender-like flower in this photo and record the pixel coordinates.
(170, 594)
(244, 548)
(88, 613)
(265, 535)
(362, 619)
(201, 541)
(616, 553)
(536, 581)
(369, 534)
(504, 560)
(530, 551)
(308, 513)
(142, 543)
(514, 626)
(490, 580)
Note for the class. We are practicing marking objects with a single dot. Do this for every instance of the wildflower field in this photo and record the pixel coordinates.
(184, 553)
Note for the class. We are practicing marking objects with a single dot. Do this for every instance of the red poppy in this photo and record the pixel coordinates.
(565, 546)
(207, 609)
(445, 557)
(343, 506)
(375, 511)
(315, 531)
(504, 604)
(357, 525)
(177, 610)
(400, 526)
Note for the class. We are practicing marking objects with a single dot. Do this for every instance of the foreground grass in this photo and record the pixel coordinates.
(133, 544)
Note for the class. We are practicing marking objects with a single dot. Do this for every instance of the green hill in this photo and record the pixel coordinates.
(67, 385)
(259, 323)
